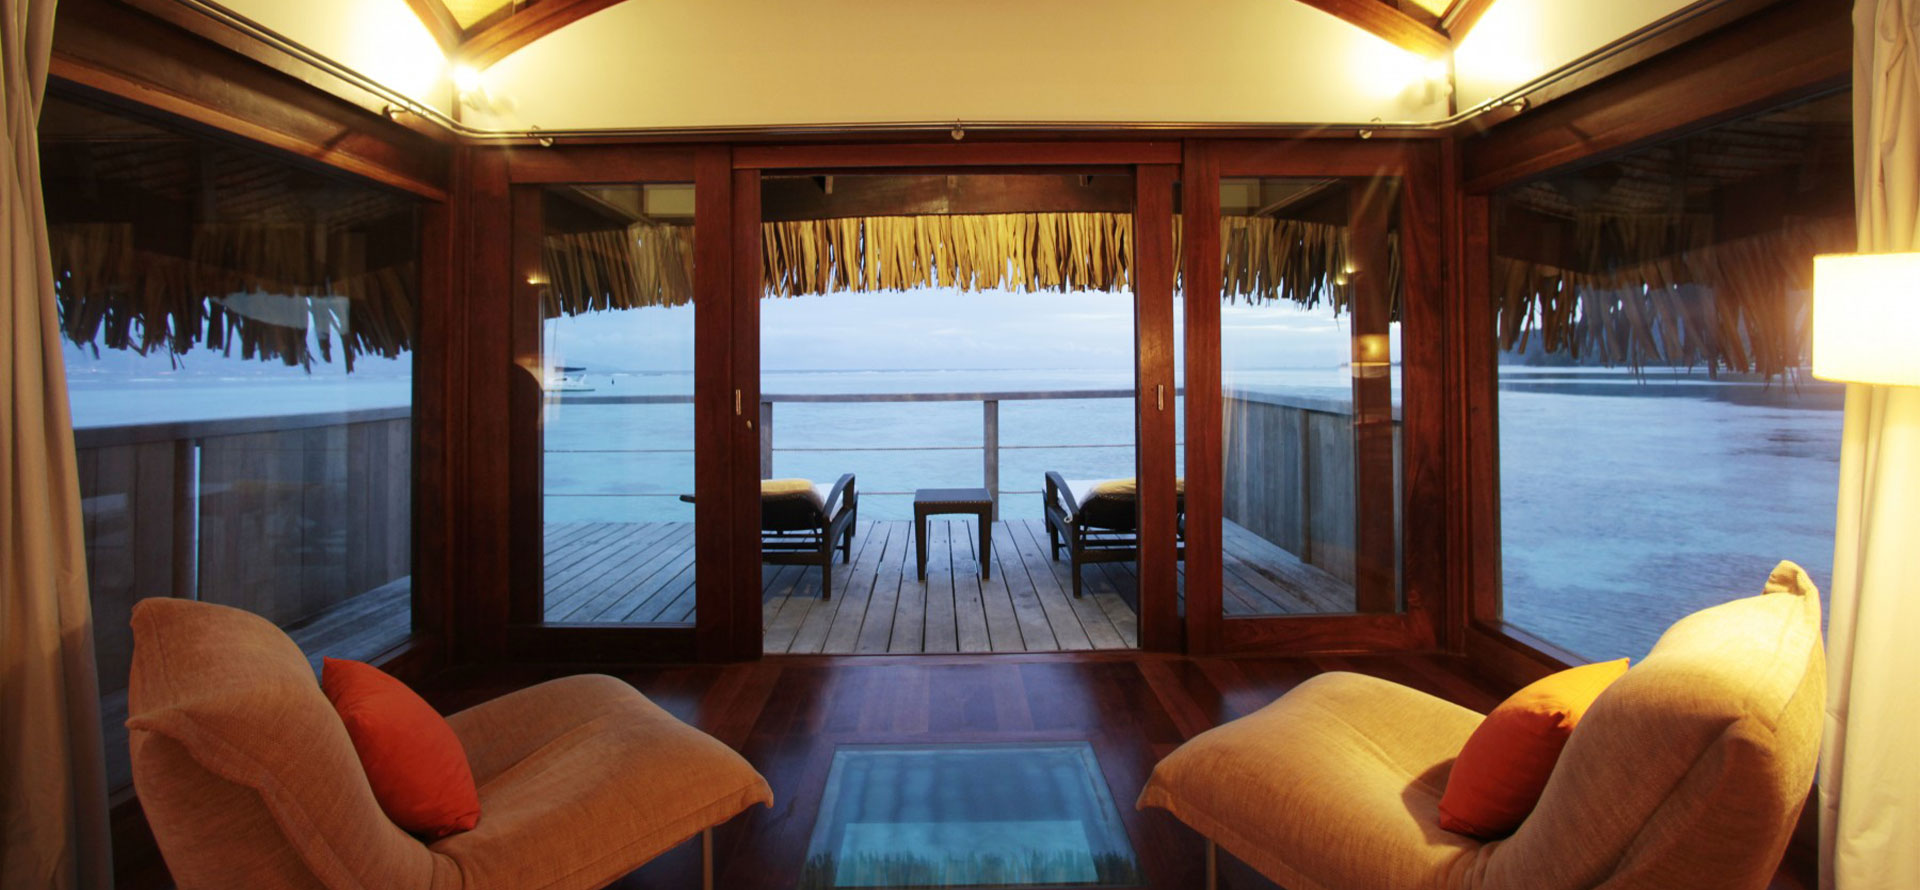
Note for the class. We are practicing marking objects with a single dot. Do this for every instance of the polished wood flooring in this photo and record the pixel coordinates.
(626, 573)
(786, 714)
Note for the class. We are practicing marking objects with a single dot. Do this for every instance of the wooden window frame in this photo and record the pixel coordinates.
(1779, 54)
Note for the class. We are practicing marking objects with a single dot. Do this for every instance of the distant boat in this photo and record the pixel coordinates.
(559, 381)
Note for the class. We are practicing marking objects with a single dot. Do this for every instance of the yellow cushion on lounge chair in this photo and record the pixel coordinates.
(782, 489)
(1127, 489)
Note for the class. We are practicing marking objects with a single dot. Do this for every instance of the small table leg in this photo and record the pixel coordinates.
(986, 543)
(920, 540)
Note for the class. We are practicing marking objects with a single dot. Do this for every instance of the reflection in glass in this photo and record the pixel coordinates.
(1661, 444)
(239, 364)
(1309, 339)
(617, 342)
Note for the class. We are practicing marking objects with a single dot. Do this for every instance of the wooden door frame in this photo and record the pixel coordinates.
(1154, 168)
(1423, 453)
(526, 633)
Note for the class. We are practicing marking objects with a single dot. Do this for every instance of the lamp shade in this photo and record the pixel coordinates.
(1866, 316)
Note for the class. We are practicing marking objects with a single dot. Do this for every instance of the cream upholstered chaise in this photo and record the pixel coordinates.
(248, 778)
(1688, 772)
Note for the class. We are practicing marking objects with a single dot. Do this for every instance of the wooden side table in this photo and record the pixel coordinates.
(929, 501)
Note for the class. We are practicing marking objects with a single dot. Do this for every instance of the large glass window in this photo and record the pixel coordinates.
(239, 332)
(617, 418)
(1661, 443)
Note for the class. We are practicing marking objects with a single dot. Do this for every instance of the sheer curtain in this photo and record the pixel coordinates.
(52, 774)
(1870, 774)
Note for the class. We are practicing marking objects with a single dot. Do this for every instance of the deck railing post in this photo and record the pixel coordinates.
(990, 444)
(766, 440)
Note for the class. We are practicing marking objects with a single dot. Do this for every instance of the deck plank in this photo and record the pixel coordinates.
(909, 606)
(1085, 610)
(845, 630)
(811, 635)
(1067, 630)
(971, 633)
(941, 630)
(631, 559)
(876, 629)
(1010, 570)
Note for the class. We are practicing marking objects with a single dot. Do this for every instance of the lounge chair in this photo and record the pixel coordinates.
(1096, 521)
(248, 778)
(1689, 771)
(802, 524)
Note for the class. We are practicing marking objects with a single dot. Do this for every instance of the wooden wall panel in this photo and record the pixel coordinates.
(525, 370)
(1204, 469)
(1427, 545)
(717, 604)
(486, 267)
(741, 489)
(1160, 626)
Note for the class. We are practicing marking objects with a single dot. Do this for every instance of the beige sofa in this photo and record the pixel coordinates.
(1687, 773)
(248, 778)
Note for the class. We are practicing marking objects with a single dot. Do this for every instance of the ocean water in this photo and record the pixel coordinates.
(630, 462)
(1627, 500)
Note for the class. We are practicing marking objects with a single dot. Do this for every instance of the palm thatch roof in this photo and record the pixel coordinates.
(162, 241)
(1694, 252)
(650, 264)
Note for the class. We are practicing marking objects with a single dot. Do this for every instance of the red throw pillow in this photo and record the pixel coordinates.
(1504, 767)
(414, 762)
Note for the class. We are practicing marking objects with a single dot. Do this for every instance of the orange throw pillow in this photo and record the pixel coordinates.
(1504, 767)
(414, 762)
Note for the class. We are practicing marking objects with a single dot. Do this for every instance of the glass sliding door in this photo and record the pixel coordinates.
(1295, 377)
(1308, 374)
(616, 413)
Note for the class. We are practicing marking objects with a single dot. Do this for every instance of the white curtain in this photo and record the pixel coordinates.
(52, 772)
(1870, 774)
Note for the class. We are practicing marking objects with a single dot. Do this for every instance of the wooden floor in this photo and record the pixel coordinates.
(786, 715)
(643, 573)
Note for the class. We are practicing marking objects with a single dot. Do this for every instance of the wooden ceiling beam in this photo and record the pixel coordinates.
(440, 23)
(499, 36)
(1462, 16)
(1388, 23)
(491, 43)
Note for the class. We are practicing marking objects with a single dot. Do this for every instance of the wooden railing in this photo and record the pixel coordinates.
(1290, 473)
(281, 515)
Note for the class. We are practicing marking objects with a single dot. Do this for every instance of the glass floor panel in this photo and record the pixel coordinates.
(1009, 815)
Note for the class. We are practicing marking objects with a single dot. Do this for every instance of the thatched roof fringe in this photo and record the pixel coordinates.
(968, 252)
(645, 264)
(114, 294)
(1739, 304)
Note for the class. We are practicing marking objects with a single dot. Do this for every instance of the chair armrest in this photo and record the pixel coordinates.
(1068, 506)
(842, 488)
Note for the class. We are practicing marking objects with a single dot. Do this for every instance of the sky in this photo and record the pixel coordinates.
(926, 329)
(942, 329)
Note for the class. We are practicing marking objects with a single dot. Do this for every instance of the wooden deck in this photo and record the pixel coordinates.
(643, 573)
